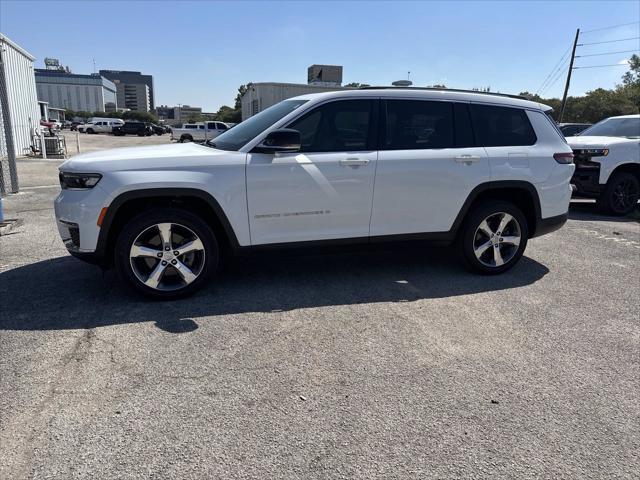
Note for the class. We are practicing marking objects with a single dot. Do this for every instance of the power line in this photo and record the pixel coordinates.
(609, 41)
(555, 79)
(553, 70)
(608, 65)
(612, 26)
(605, 53)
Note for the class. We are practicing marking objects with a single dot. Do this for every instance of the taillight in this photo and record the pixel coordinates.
(564, 158)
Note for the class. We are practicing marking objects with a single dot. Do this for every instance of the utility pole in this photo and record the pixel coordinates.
(566, 85)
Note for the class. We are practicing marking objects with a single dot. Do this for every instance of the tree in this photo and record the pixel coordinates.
(632, 77)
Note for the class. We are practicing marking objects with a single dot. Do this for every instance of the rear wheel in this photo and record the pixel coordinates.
(621, 194)
(90, 130)
(186, 139)
(166, 253)
(494, 237)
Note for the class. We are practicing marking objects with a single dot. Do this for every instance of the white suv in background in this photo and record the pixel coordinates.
(607, 157)
(361, 166)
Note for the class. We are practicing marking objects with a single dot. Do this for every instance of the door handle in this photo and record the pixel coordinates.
(352, 162)
(468, 159)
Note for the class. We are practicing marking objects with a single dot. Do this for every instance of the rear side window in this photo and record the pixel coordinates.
(341, 126)
(413, 125)
(501, 126)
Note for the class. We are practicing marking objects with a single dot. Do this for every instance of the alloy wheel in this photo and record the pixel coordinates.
(625, 195)
(167, 256)
(497, 239)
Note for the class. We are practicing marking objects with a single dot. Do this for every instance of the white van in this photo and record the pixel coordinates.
(100, 125)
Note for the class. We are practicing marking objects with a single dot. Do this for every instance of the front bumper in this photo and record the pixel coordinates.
(77, 212)
(586, 178)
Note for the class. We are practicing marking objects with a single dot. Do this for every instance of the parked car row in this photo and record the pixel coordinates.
(118, 126)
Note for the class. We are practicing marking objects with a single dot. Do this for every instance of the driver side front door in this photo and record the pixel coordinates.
(325, 190)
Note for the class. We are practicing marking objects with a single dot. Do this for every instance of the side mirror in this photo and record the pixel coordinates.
(281, 140)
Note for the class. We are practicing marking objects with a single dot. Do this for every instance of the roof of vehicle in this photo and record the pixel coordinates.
(637, 115)
(571, 124)
(431, 93)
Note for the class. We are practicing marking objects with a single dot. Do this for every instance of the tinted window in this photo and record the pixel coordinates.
(341, 126)
(615, 127)
(501, 126)
(415, 124)
(221, 126)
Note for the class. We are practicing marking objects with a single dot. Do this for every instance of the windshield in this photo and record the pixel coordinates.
(238, 136)
(615, 127)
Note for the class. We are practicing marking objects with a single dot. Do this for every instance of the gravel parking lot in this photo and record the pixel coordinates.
(389, 364)
(99, 141)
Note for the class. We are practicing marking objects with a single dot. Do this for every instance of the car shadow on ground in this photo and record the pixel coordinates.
(64, 293)
(585, 210)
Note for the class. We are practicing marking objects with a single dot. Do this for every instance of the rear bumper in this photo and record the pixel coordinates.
(548, 225)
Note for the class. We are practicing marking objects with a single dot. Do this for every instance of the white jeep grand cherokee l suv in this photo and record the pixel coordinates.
(607, 158)
(360, 166)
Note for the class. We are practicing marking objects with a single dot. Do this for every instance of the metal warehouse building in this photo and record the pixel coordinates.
(260, 96)
(19, 111)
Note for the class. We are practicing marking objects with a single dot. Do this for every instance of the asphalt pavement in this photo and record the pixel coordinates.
(387, 364)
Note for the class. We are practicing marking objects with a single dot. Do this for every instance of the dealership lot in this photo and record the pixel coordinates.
(388, 364)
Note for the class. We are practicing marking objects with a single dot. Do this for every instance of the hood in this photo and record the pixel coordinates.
(589, 141)
(149, 157)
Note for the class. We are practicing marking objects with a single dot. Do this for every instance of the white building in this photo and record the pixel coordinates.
(19, 111)
(260, 96)
(70, 91)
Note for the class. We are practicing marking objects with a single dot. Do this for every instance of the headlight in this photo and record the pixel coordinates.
(78, 181)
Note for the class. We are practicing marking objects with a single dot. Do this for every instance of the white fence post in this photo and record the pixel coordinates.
(43, 147)
(78, 141)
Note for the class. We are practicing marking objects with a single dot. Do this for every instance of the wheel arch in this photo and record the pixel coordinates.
(633, 168)
(521, 193)
(129, 204)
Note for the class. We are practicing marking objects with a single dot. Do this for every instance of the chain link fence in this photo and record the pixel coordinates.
(8, 169)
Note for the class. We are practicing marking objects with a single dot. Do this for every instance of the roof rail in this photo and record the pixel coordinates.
(445, 89)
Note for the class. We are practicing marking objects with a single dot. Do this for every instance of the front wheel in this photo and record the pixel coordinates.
(621, 194)
(166, 253)
(494, 237)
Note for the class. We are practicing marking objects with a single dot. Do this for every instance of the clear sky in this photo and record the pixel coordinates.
(199, 52)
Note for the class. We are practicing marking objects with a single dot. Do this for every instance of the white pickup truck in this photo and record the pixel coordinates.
(198, 132)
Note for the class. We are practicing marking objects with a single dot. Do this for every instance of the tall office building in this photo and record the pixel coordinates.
(131, 89)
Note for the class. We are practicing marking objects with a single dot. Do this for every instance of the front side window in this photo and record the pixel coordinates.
(341, 126)
(501, 126)
(417, 124)
(237, 137)
(615, 127)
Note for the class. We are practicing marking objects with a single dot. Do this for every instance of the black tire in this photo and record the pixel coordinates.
(471, 237)
(90, 131)
(142, 133)
(621, 194)
(186, 139)
(179, 219)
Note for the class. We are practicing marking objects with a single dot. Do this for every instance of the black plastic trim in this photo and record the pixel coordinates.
(118, 202)
(541, 226)
(551, 224)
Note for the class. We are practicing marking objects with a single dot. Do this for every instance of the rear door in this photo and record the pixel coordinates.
(511, 142)
(427, 166)
(324, 191)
